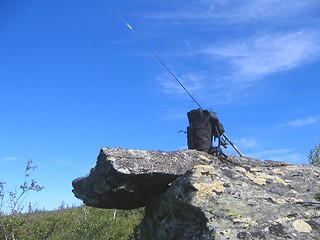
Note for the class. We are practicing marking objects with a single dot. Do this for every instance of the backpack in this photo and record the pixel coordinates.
(203, 125)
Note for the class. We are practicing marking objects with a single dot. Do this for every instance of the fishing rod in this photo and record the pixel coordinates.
(159, 59)
(144, 43)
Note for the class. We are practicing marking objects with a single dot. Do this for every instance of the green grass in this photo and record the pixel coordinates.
(74, 223)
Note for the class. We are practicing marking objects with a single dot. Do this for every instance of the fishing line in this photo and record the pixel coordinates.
(144, 43)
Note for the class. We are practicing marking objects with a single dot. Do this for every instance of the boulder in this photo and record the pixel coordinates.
(127, 179)
(234, 202)
(193, 195)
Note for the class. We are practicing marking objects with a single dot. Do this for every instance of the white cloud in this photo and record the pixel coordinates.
(247, 143)
(174, 115)
(285, 155)
(258, 56)
(268, 9)
(245, 41)
(224, 12)
(9, 158)
(193, 82)
(250, 60)
(302, 121)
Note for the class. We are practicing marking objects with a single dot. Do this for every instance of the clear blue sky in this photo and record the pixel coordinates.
(74, 78)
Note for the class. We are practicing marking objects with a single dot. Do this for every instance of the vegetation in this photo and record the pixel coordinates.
(12, 203)
(17, 222)
(317, 197)
(314, 156)
(75, 223)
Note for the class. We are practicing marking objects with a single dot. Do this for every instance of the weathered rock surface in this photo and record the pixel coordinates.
(127, 179)
(233, 202)
(235, 198)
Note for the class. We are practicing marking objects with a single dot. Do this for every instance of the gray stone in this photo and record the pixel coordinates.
(127, 179)
(193, 195)
(231, 202)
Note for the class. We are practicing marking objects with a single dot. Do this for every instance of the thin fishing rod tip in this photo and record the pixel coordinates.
(129, 26)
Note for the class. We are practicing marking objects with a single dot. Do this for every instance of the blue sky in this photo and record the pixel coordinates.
(74, 78)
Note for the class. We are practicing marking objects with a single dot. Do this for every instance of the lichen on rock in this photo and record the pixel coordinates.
(193, 195)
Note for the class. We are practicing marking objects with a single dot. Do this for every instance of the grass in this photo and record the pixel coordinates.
(74, 223)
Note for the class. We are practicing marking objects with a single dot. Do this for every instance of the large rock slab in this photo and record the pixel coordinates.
(234, 202)
(193, 195)
(127, 179)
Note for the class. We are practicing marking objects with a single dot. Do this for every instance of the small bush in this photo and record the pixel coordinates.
(314, 156)
(12, 203)
(65, 223)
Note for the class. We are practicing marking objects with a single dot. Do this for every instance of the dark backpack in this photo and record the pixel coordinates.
(203, 126)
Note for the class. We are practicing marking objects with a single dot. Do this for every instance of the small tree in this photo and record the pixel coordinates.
(15, 201)
(314, 156)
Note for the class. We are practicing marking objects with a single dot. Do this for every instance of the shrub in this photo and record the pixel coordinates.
(65, 223)
(12, 203)
(314, 156)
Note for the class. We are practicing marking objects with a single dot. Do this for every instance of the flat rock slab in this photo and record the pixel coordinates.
(234, 202)
(127, 179)
(190, 194)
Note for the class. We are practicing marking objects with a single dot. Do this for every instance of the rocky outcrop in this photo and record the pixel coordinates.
(205, 197)
(127, 179)
(234, 202)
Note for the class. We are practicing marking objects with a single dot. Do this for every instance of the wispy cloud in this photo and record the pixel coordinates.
(267, 37)
(10, 158)
(256, 57)
(174, 115)
(285, 155)
(192, 81)
(67, 163)
(252, 59)
(236, 12)
(299, 122)
(247, 143)
(250, 11)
